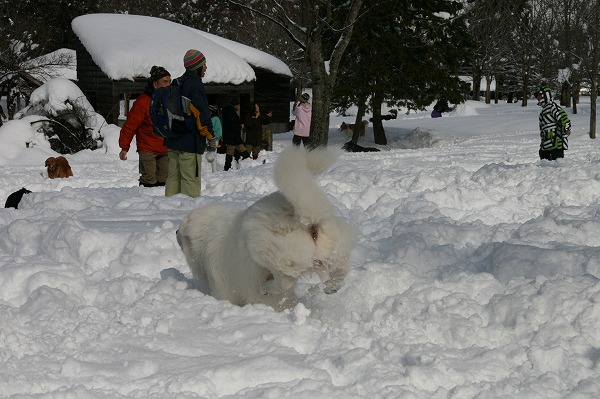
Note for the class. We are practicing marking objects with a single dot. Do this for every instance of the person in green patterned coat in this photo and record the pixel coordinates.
(555, 126)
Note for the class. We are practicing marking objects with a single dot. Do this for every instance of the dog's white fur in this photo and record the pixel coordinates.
(257, 254)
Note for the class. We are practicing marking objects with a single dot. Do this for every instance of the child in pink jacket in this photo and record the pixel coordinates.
(302, 110)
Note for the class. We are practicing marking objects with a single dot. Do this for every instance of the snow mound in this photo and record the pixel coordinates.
(418, 138)
(463, 110)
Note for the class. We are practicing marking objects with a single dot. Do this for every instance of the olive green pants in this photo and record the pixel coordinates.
(184, 174)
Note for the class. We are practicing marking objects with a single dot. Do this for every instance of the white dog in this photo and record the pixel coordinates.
(257, 254)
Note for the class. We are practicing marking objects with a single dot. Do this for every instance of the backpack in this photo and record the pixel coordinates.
(168, 109)
(165, 108)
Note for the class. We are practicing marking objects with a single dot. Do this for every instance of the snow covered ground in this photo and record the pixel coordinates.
(475, 275)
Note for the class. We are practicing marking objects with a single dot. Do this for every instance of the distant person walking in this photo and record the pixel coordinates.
(185, 150)
(216, 121)
(253, 123)
(232, 133)
(555, 126)
(153, 158)
(302, 110)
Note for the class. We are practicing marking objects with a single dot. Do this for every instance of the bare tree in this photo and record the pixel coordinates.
(565, 21)
(492, 25)
(30, 35)
(322, 29)
(19, 73)
(593, 30)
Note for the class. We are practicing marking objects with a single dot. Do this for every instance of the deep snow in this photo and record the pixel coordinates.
(475, 275)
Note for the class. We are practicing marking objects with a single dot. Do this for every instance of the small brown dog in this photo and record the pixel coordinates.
(348, 128)
(58, 167)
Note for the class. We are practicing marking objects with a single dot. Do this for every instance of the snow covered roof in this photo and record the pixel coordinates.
(126, 46)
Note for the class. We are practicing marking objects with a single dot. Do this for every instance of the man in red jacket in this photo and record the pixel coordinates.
(153, 158)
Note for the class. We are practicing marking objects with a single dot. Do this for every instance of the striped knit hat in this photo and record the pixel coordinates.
(193, 60)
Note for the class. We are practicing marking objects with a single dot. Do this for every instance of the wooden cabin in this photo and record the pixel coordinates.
(270, 89)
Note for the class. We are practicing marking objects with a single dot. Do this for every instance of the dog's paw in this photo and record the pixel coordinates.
(277, 285)
(265, 290)
(270, 288)
(330, 288)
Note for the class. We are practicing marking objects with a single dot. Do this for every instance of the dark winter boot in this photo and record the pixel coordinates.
(228, 159)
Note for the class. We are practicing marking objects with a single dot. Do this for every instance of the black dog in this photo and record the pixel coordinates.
(351, 147)
(13, 200)
(388, 117)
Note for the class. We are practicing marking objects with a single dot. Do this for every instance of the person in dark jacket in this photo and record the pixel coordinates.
(253, 124)
(152, 153)
(195, 134)
(232, 133)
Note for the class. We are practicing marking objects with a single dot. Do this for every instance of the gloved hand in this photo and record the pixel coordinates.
(211, 156)
(212, 145)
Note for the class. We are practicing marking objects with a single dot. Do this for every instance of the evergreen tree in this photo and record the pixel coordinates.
(405, 54)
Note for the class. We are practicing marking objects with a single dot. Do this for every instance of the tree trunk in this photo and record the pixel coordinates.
(595, 47)
(378, 131)
(323, 79)
(10, 106)
(359, 117)
(525, 76)
(593, 98)
(574, 91)
(565, 95)
(476, 83)
(496, 94)
(321, 106)
(319, 127)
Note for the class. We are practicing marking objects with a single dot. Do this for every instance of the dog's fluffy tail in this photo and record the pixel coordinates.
(294, 177)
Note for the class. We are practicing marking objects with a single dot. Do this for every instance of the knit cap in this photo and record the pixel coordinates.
(193, 60)
(304, 97)
(157, 73)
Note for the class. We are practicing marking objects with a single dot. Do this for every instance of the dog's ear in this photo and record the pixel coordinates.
(49, 161)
